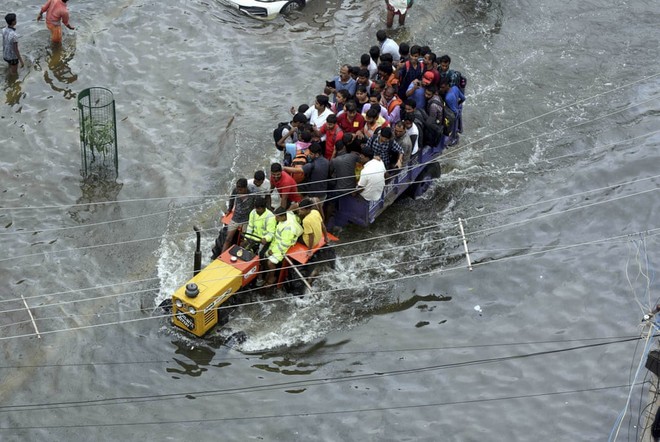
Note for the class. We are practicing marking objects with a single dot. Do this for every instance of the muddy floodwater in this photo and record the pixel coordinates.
(555, 178)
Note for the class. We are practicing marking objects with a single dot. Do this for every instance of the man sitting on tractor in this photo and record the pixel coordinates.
(261, 228)
(286, 234)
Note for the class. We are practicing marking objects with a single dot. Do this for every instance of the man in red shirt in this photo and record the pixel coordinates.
(350, 121)
(286, 186)
(332, 134)
(57, 13)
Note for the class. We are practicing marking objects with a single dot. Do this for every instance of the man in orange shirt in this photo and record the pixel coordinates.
(57, 13)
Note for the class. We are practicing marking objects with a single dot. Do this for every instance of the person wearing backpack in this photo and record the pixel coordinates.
(289, 131)
(455, 78)
(412, 70)
(454, 99)
(392, 103)
(419, 114)
(435, 109)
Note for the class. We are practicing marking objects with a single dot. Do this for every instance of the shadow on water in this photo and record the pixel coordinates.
(200, 357)
(400, 306)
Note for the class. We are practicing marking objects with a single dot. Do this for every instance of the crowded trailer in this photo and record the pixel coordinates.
(373, 134)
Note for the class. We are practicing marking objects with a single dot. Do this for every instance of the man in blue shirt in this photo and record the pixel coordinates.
(452, 96)
(345, 81)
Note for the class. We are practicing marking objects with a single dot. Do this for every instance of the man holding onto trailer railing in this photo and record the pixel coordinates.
(241, 203)
(312, 223)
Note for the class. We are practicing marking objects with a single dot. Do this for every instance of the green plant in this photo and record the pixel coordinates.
(98, 137)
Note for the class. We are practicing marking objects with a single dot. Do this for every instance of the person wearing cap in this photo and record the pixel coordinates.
(286, 234)
(372, 177)
(431, 65)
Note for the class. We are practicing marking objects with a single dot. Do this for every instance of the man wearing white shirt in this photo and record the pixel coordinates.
(388, 46)
(372, 177)
(317, 114)
(413, 132)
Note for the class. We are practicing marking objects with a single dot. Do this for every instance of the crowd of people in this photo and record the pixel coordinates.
(367, 124)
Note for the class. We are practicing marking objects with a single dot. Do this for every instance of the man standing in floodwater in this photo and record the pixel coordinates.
(57, 13)
(397, 7)
(10, 52)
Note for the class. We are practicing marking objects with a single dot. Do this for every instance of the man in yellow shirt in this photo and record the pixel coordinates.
(312, 223)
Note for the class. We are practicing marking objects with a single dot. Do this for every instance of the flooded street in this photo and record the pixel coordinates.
(555, 179)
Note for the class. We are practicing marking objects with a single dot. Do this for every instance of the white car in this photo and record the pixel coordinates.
(266, 9)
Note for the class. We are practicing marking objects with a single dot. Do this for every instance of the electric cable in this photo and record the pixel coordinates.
(474, 232)
(296, 383)
(647, 347)
(386, 281)
(368, 253)
(612, 339)
(322, 413)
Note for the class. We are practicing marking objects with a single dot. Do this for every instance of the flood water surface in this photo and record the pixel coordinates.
(555, 180)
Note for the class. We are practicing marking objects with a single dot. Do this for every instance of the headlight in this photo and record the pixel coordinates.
(178, 303)
(192, 310)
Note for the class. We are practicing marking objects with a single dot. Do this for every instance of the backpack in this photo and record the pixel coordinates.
(420, 121)
(420, 116)
(434, 127)
(277, 133)
(299, 161)
(450, 120)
